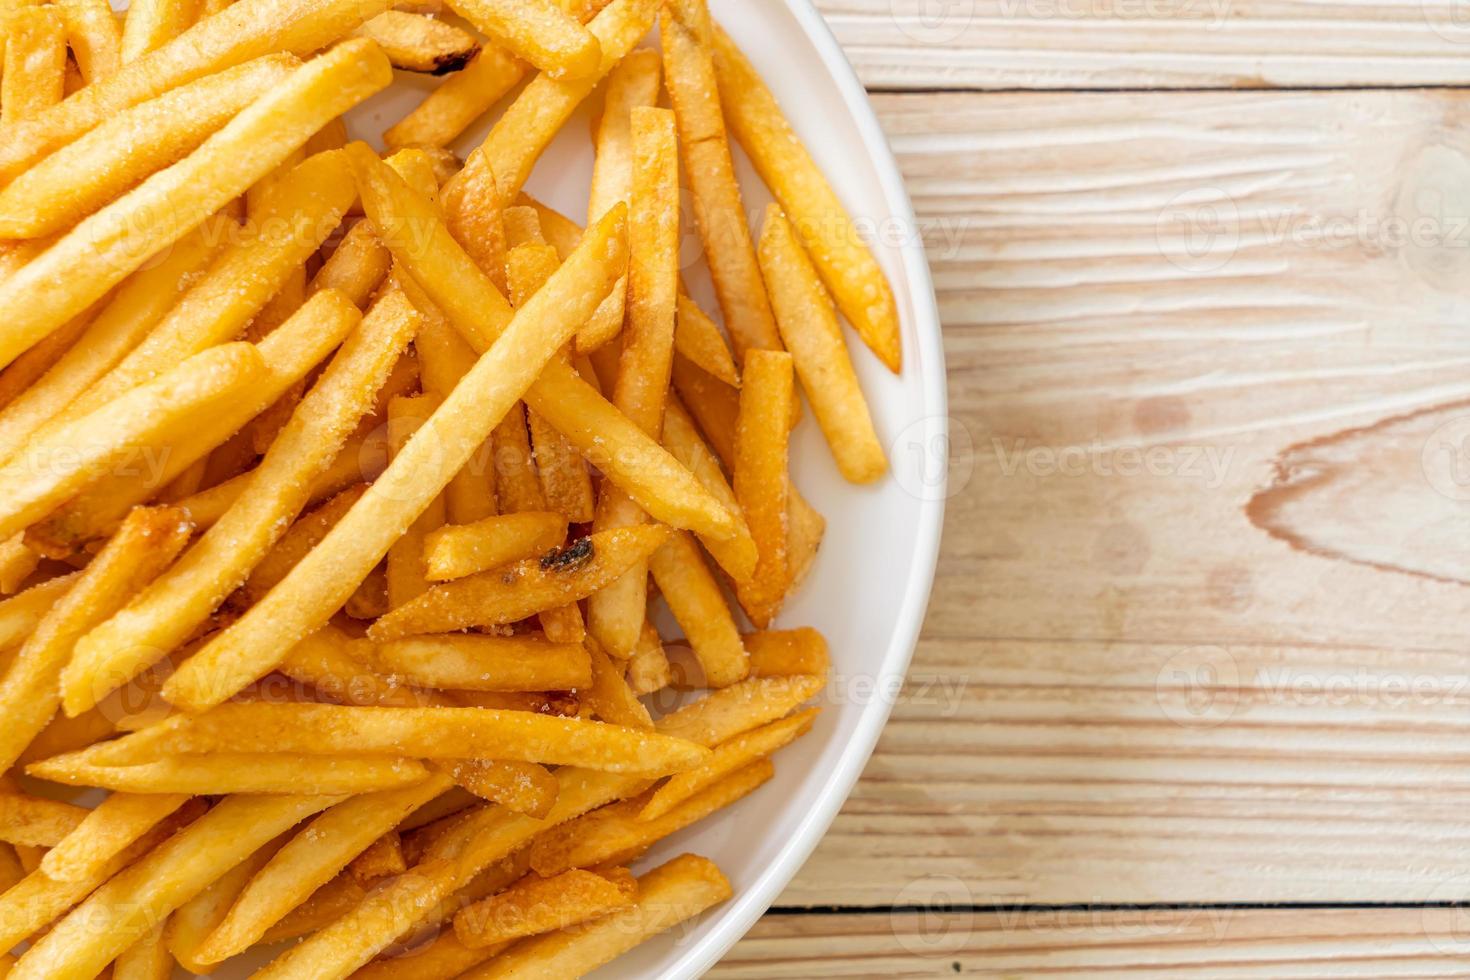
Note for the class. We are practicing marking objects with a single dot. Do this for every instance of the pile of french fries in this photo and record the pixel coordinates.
(332, 483)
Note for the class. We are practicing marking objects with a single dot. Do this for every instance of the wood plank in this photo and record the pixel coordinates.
(1202, 944)
(1088, 44)
(1134, 686)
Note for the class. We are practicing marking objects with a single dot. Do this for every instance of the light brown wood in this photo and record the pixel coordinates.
(1193, 944)
(1089, 44)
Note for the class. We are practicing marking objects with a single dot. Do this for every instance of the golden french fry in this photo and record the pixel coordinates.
(729, 757)
(35, 64)
(783, 653)
(668, 895)
(106, 831)
(85, 175)
(842, 258)
(294, 545)
(712, 403)
(129, 906)
(535, 905)
(29, 367)
(454, 106)
(761, 479)
(235, 772)
(248, 29)
(382, 859)
(149, 539)
(152, 23)
(728, 712)
(94, 36)
(695, 599)
(564, 478)
(36, 822)
(520, 787)
(312, 858)
(456, 551)
(609, 697)
(445, 359)
(690, 75)
(355, 267)
(439, 733)
(649, 670)
(538, 31)
(736, 555)
(146, 959)
(809, 326)
(323, 581)
(805, 528)
(697, 338)
(405, 563)
(21, 614)
(107, 246)
(526, 588)
(486, 663)
(415, 42)
(196, 919)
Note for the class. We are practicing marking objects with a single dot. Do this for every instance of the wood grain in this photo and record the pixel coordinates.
(1090, 44)
(1129, 690)
(1192, 944)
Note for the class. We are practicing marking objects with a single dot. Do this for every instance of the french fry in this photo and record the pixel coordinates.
(149, 415)
(129, 906)
(440, 733)
(785, 653)
(297, 542)
(456, 551)
(604, 436)
(106, 831)
(330, 902)
(87, 174)
(563, 234)
(416, 476)
(35, 64)
(446, 359)
(525, 588)
(152, 23)
(405, 562)
(736, 555)
(697, 338)
(312, 858)
(446, 956)
(723, 714)
(105, 247)
(543, 107)
(616, 835)
(809, 326)
(648, 670)
(712, 403)
(841, 257)
(805, 528)
(695, 599)
(21, 614)
(454, 106)
(134, 309)
(197, 918)
(704, 145)
(355, 267)
(335, 665)
(170, 609)
(146, 959)
(382, 859)
(535, 905)
(565, 482)
(609, 697)
(520, 787)
(761, 479)
(729, 757)
(473, 216)
(486, 663)
(149, 539)
(249, 29)
(538, 31)
(668, 895)
(94, 36)
(235, 772)
(29, 367)
(415, 42)
(35, 822)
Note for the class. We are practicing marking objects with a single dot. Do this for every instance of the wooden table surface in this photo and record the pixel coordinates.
(1193, 695)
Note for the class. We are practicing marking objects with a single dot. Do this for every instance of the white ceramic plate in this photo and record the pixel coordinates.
(871, 583)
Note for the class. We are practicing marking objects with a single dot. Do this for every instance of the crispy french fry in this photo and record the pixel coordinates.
(106, 831)
(538, 31)
(616, 835)
(94, 36)
(841, 257)
(704, 145)
(356, 266)
(723, 714)
(149, 539)
(129, 906)
(382, 859)
(249, 29)
(563, 234)
(35, 822)
(564, 478)
(535, 905)
(169, 610)
(473, 216)
(736, 555)
(152, 23)
(311, 593)
(87, 174)
(150, 415)
(728, 758)
(235, 772)
(146, 959)
(609, 697)
(442, 733)
(415, 42)
(712, 403)
(486, 663)
(698, 339)
(526, 588)
(454, 106)
(197, 918)
(446, 359)
(649, 670)
(670, 894)
(520, 787)
(336, 665)
(695, 599)
(35, 64)
(296, 543)
(809, 326)
(805, 528)
(761, 479)
(21, 614)
(459, 550)
(312, 858)
(405, 563)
